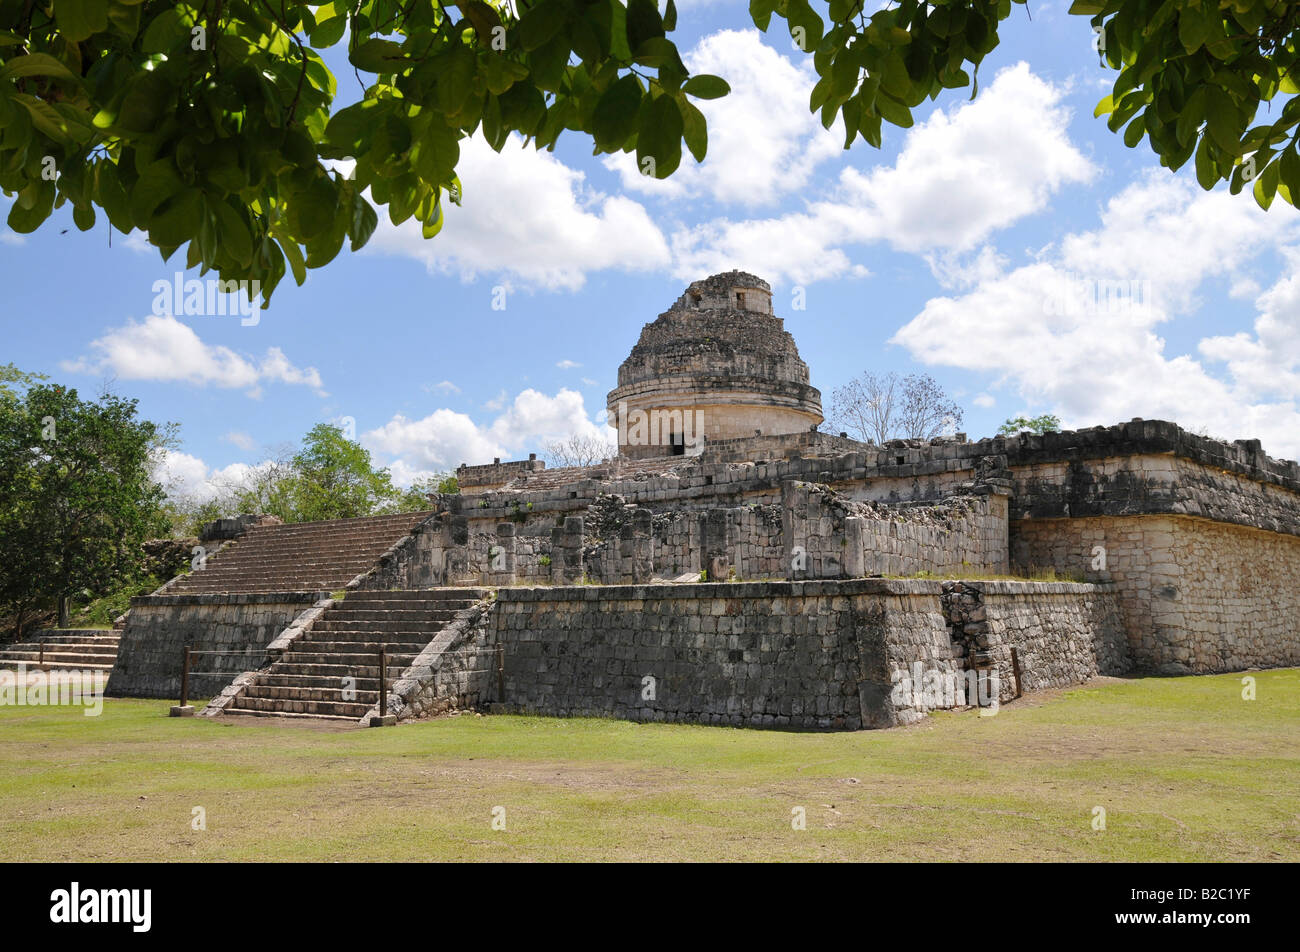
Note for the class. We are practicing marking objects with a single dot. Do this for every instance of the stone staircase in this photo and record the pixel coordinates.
(308, 680)
(301, 557)
(65, 649)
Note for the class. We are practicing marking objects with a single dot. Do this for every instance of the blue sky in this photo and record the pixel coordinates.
(966, 248)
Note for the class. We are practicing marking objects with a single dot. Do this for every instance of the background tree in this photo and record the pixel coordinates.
(579, 451)
(77, 495)
(1046, 423)
(876, 408)
(212, 125)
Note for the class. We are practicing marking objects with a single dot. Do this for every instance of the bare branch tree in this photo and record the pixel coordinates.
(579, 451)
(876, 408)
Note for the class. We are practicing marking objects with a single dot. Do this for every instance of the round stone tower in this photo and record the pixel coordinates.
(716, 365)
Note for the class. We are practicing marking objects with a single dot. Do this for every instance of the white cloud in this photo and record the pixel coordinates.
(443, 386)
(189, 478)
(983, 400)
(763, 141)
(960, 176)
(528, 216)
(162, 348)
(445, 438)
(1075, 331)
(567, 364)
(240, 439)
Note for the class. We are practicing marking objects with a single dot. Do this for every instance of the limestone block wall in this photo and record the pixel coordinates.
(812, 655)
(828, 535)
(158, 628)
(1196, 595)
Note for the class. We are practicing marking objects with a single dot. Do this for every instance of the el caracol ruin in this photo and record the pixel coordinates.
(734, 565)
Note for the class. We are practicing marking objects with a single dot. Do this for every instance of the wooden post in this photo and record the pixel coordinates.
(40, 660)
(1015, 667)
(185, 678)
(383, 681)
(501, 673)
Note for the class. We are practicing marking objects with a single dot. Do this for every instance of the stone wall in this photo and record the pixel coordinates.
(828, 535)
(813, 655)
(1197, 596)
(158, 628)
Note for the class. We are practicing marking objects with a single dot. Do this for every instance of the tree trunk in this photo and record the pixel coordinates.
(64, 620)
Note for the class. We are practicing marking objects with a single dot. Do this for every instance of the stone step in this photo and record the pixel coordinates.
(316, 682)
(353, 710)
(469, 594)
(316, 717)
(110, 641)
(31, 656)
(331, 670)
(299, 693)
(369, 644)
(347, 658)
(60, 665)
(384, 621)
(364, 640)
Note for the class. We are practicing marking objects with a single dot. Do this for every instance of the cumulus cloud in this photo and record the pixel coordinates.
(961, 175)
(188, 478)
(1076, 330)
(161, 348)
(446, 438)
(529, 217)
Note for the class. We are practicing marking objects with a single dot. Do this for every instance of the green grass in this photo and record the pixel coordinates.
(1185, 769)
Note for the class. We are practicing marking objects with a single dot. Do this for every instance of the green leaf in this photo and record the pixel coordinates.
(1193, 28)
(25, 219)
(293, 254)
(327, 33)
(157, 183)
(111, 196)
(615, 116)
(35, 64)
(1207, 172)
(1221, 114)
(363, 224)
(643, 22)
(541, 23)
(177, 220)
(806, 26)
(1266, 186)
(456, 79)
(1087, 8)
(705, 86)
(165, 30)
(232, 234)
(760, 11)
(694, 130)
(659, 138)
(79, 19)
(378, 56)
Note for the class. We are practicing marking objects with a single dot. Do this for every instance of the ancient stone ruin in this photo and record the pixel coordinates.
(734, 565)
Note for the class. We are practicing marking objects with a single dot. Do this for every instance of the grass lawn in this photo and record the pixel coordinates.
(1184, 767)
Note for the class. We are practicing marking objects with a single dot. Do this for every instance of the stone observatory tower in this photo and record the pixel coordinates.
(717, 365)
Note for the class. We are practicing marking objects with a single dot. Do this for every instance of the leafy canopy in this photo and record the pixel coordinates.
(213, 125)
(77, 494)
(1045, 423)
(209, 125)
